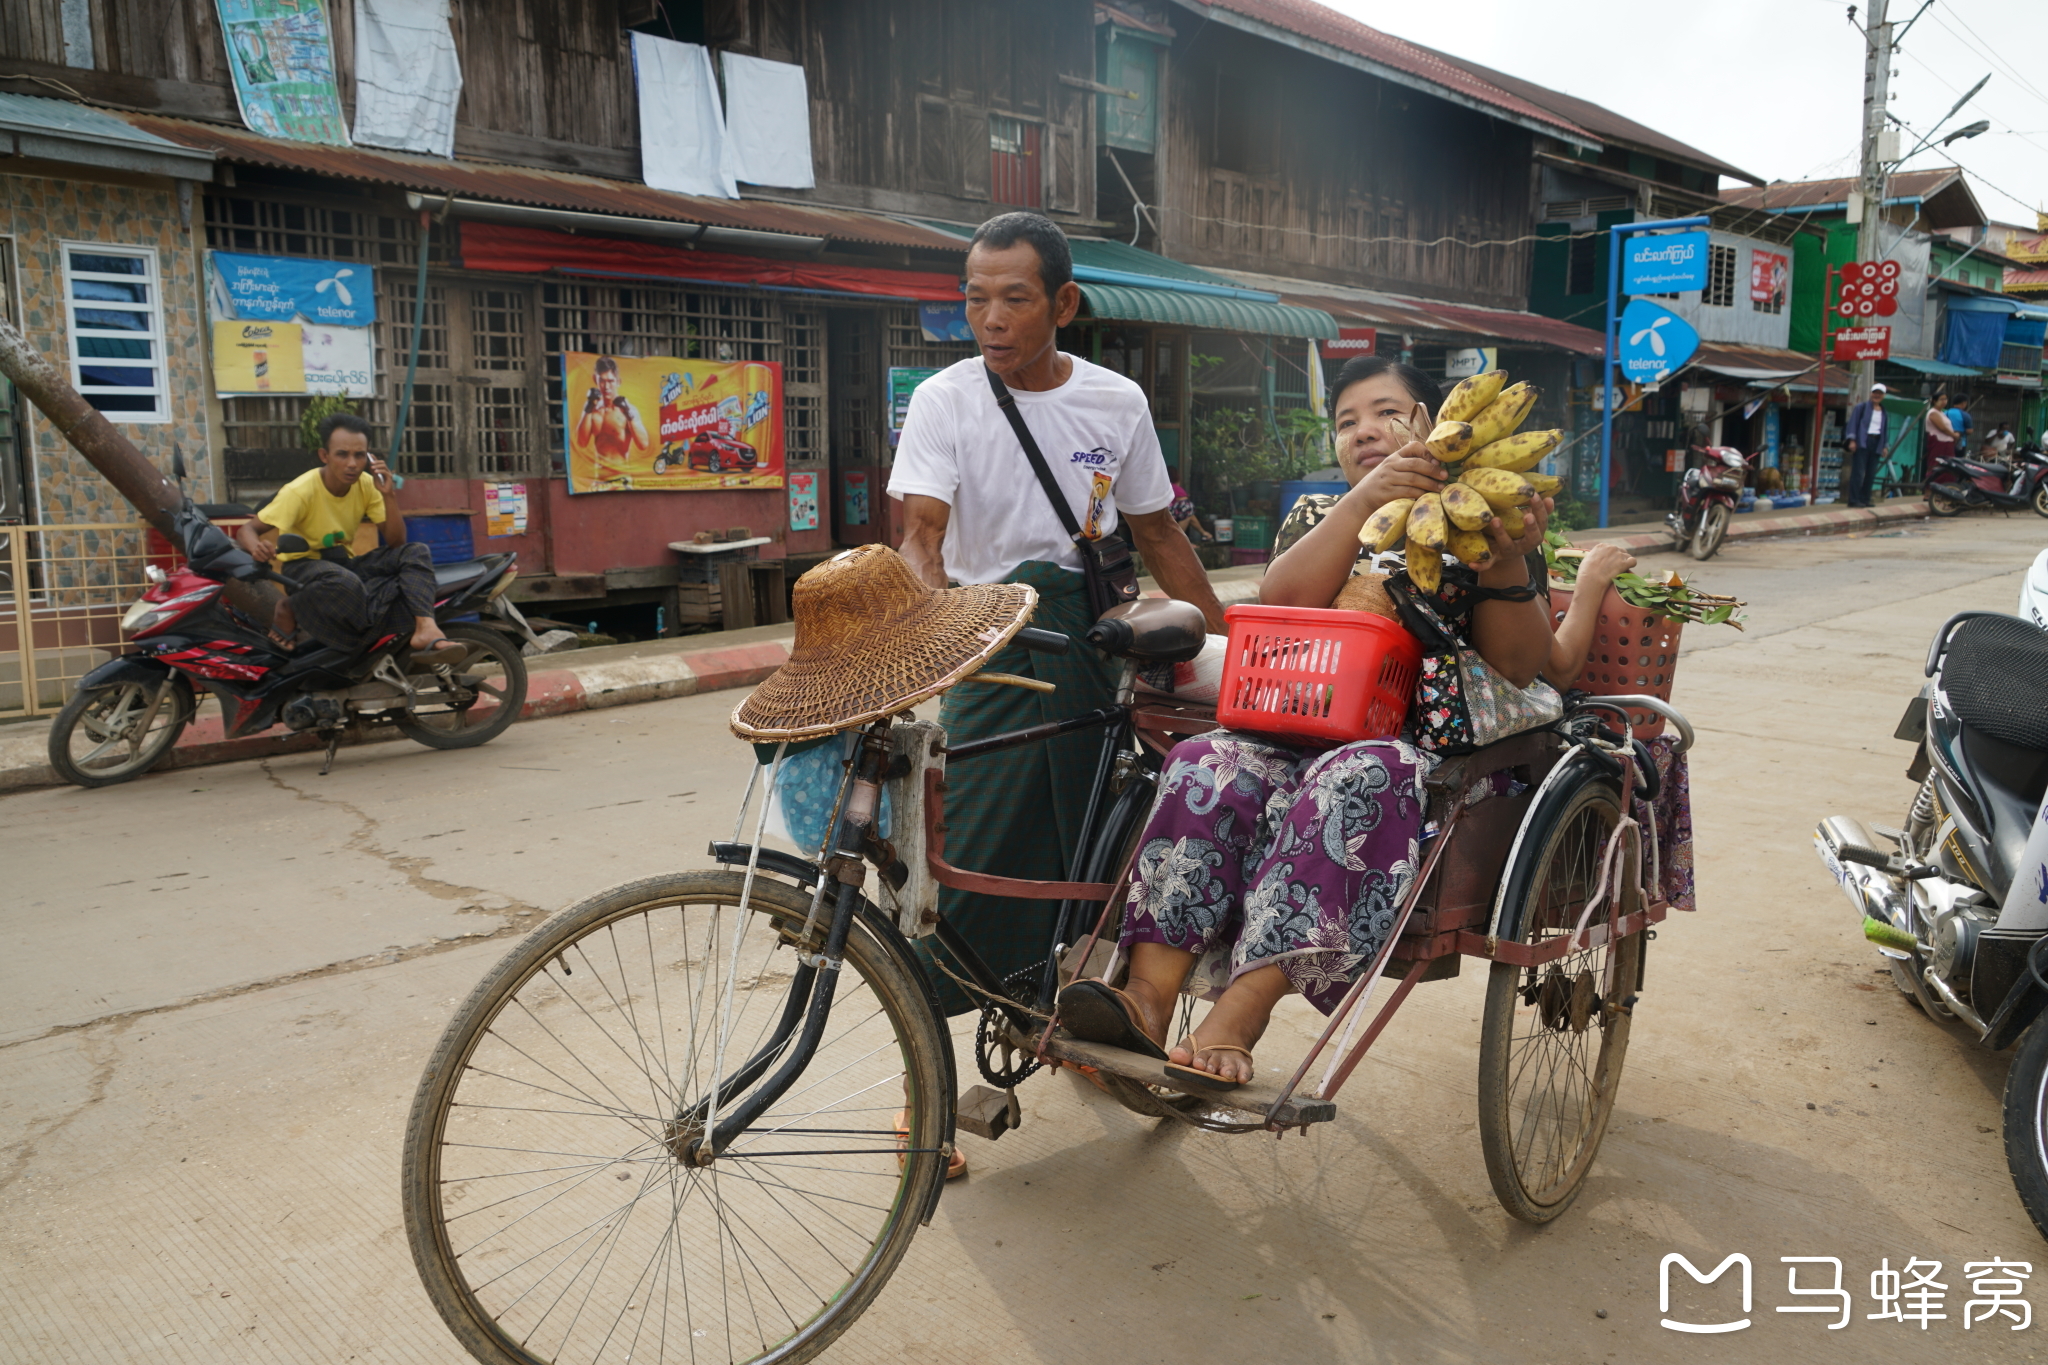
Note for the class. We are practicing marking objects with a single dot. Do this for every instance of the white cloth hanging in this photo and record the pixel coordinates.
(682, 128)
(408, 78)
(767, 122)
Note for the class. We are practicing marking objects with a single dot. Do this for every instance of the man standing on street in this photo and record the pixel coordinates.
(974, 512)
(1869, 424)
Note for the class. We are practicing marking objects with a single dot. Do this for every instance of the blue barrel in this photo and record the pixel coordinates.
(1294, 489)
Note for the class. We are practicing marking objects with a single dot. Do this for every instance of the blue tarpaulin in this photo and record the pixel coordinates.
(1973, 339)
(2025, 332)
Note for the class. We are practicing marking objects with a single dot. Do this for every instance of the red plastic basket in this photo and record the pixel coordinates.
(1341, 675)
(1634, 653)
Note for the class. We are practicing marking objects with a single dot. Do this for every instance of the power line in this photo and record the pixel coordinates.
(1990, 54)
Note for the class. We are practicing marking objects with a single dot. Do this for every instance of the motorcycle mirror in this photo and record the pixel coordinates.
(178, 464)
(293, 545)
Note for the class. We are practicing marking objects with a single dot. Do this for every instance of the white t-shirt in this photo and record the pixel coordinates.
(1095, 431)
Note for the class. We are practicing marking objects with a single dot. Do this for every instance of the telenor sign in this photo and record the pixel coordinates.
(1664, 265)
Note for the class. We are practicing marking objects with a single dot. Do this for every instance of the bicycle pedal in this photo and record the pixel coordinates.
(988, 1113)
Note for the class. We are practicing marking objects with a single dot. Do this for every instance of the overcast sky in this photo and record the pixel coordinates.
(1772, 86)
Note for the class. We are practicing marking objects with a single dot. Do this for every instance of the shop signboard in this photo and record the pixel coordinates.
(1654, 342)
(1770, 275)
(1465, 361)
(1352, 341)
(1863, 343)
(638, 423)
(1869, 289)
(280, 288)
(1670, 263)
(944, 322)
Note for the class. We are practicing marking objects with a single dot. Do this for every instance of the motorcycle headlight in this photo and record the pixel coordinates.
(141, 616)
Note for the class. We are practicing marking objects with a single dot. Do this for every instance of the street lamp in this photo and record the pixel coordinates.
(1976, 129)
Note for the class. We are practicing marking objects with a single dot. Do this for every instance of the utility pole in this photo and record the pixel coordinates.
(1877, 72)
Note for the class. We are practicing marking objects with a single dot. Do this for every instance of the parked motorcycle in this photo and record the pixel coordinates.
(1958, 908)
(127, 713)
(1706, 501)
(1958, 483)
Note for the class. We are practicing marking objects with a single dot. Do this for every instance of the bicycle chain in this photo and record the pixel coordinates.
(991, 1033)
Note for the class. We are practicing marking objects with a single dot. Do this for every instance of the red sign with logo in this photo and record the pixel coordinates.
(1869, 289)
(1863, 343)
(1353, 341)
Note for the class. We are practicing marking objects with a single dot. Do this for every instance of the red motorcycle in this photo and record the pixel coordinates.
(1958, 483)
(1706, 500)
(128, 712)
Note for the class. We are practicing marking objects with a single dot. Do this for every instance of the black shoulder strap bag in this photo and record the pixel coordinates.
(1105, 561)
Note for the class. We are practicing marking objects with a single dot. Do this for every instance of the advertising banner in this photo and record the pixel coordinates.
(1668, 264)
(258, 357)
(803, 502)
(663, 423)
(280, 288)
(903, 381)
(1655, 342)
(1770, 276)
(944, 322)
(282, 56)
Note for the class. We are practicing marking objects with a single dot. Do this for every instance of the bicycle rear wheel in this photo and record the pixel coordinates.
(1554, 1037)
(552, 1209)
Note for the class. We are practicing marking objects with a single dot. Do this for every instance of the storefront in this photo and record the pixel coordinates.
(780, 327)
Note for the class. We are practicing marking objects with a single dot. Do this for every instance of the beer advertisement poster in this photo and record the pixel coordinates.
(258, 357)
(638, 423)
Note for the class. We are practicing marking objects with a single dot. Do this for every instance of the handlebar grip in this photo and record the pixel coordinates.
(1043, 641)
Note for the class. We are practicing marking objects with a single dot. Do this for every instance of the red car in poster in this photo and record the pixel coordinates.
(716, 453)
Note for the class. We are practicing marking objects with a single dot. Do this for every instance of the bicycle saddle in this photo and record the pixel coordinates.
(1151, 629)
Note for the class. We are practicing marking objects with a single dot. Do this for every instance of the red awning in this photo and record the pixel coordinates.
(532, 251)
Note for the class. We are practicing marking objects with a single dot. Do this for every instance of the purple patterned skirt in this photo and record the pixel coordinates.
(1257, 853)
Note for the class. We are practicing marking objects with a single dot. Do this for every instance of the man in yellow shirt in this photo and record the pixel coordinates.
(352, 603)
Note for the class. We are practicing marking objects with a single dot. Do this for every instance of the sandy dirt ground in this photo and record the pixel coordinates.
(219, 987)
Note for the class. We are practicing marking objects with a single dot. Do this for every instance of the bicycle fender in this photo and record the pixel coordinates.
(1578, 766)
(127, 668)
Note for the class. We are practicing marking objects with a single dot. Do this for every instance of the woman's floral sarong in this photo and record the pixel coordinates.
(1258, 853)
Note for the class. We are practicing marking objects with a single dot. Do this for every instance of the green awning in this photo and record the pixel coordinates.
(1208, 312)
(1939, 368)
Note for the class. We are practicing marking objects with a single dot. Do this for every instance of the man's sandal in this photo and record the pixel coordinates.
(956, 1165)
(1098, 1012)
(1208, 1080)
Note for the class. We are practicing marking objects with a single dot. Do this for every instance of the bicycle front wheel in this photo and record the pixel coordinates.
(554, 1209)
(1554, 1037)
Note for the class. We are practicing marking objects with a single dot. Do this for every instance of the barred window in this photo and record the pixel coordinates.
(114, 317)
(1720, 291)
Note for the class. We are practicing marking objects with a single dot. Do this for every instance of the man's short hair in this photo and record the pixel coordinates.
(605, 365)
(1055, 258)
(341, 421)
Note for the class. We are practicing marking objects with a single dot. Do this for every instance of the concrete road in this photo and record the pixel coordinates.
(218, 987)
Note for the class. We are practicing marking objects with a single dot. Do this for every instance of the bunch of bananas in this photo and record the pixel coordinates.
(1475, 429)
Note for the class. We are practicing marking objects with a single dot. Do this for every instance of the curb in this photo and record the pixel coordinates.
(1826, 522)
(551, 692)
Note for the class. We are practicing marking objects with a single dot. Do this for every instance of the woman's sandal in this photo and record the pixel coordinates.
(956, 1165)
(1097, 1012)
(1208, 1080)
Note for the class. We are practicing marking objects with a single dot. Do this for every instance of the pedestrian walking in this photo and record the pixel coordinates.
(1869, 424)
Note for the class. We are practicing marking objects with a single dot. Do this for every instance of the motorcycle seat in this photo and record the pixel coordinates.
(1993, 677)
(447, 576)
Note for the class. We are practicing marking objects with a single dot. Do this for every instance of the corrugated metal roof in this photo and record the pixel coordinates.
(1396, 312)
(1206, 311)
(1107, 255)
(2018, 281)
(1906, 187)
(547, 189)
(1600, 121)
(1399, 57)
(62, 130)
